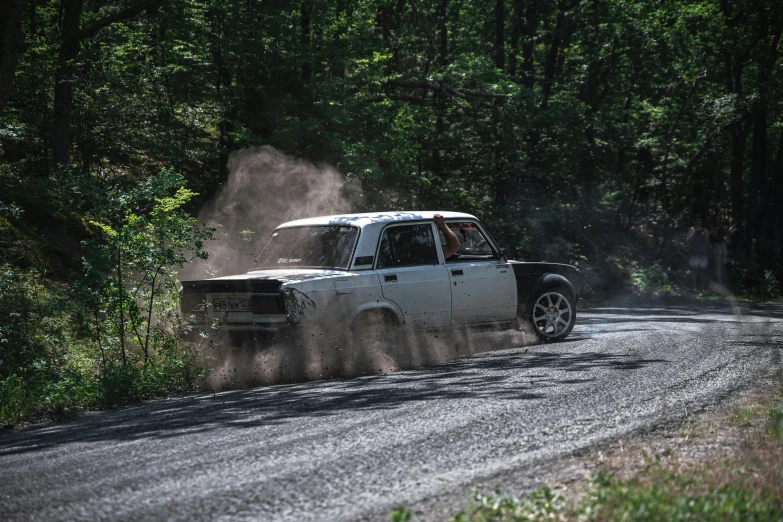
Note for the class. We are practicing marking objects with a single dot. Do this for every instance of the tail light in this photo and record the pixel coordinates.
(194, 304)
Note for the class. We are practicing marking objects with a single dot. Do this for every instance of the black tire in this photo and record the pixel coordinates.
(552, 313)
(374, 324)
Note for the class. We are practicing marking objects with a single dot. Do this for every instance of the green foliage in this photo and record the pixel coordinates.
(756, 283)
(770, 286)
(142, 255)
(542, 504)
(401, 514)
(25, 306)
(653, 279)
(571, 128)
(113, 335)
(775, 418)
(619, 109)
(743, 416)
(660, 496)
(15, 399)
(669, 497)
(38, 370)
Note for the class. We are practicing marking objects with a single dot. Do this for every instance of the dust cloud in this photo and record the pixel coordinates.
(265, 188)
(326, 353)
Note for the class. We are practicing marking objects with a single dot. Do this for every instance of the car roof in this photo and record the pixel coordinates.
(367, 218)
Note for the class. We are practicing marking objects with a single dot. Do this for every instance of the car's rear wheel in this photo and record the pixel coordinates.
(553, 313)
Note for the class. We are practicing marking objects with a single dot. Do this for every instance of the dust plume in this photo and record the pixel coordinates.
(265, 188)
(326, 353)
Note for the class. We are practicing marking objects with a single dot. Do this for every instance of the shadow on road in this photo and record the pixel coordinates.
(461, 379)
(694, 312)
(473, 377)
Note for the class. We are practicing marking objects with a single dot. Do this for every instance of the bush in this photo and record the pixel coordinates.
(673, 498)
(653, 279)
(112, 336)
(542, 504)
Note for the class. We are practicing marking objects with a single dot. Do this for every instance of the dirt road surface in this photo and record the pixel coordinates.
(355, 449)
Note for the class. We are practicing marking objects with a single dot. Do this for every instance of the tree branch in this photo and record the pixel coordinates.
(745, 118)
(90, 29)
(445, 89)
(396, 97)
(713, 135)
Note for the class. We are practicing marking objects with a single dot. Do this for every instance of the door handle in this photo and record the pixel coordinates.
(390, 278)
(456, 272)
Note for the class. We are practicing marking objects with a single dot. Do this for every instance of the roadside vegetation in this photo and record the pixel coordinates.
(590, 133)
(113, 333)
(744, 486)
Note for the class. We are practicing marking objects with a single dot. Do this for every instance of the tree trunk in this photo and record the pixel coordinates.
(758, 174)
(500, 37)
(222, 79)
(531, 25)
(64, 78)
(71, 36)
(399, 8)
(739, 136)
(776, 213)
(759, 207)
(517, 24)
(439, 96)
(550, 66)
(595, 78)
(443, 33)
(10, 45)
(304, 25)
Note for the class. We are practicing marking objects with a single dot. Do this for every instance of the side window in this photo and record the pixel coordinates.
(472, 242)
(408, 245)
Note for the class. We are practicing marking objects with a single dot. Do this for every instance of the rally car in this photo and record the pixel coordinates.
(387, 268)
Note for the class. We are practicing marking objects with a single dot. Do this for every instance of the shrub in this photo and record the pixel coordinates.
(653, 279)
(135, 266)
(673, 498)
(112, 336)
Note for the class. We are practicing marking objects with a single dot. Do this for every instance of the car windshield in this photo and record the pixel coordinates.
(327, 246)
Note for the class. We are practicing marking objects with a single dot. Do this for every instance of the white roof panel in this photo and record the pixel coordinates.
(367, 218)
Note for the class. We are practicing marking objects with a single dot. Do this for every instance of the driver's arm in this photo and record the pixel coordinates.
(452, 243)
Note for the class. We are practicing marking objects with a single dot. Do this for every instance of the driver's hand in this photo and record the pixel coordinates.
(438, 219)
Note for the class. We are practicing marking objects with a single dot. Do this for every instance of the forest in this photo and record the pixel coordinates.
(590, 132)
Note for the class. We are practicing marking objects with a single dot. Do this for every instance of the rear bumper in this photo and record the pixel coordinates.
(192, 327)
(255, 326)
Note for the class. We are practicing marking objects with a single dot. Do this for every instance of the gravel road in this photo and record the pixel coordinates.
(355, 449)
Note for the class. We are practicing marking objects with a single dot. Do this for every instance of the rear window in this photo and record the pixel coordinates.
(322, 246)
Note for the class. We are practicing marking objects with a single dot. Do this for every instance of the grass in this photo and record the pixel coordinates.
(743, 416)
(745, 487)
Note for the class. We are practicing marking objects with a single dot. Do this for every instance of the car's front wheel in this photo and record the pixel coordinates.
(553, 313)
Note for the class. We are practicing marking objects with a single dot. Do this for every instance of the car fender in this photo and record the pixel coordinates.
(378, 305)
(547, 280)
(544, 281)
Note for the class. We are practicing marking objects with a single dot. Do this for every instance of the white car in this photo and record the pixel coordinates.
(358, 269)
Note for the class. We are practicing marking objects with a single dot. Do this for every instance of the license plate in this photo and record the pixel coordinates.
(231, 305)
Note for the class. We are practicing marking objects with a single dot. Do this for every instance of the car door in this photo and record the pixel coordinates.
(483, 288)
(412, 275)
